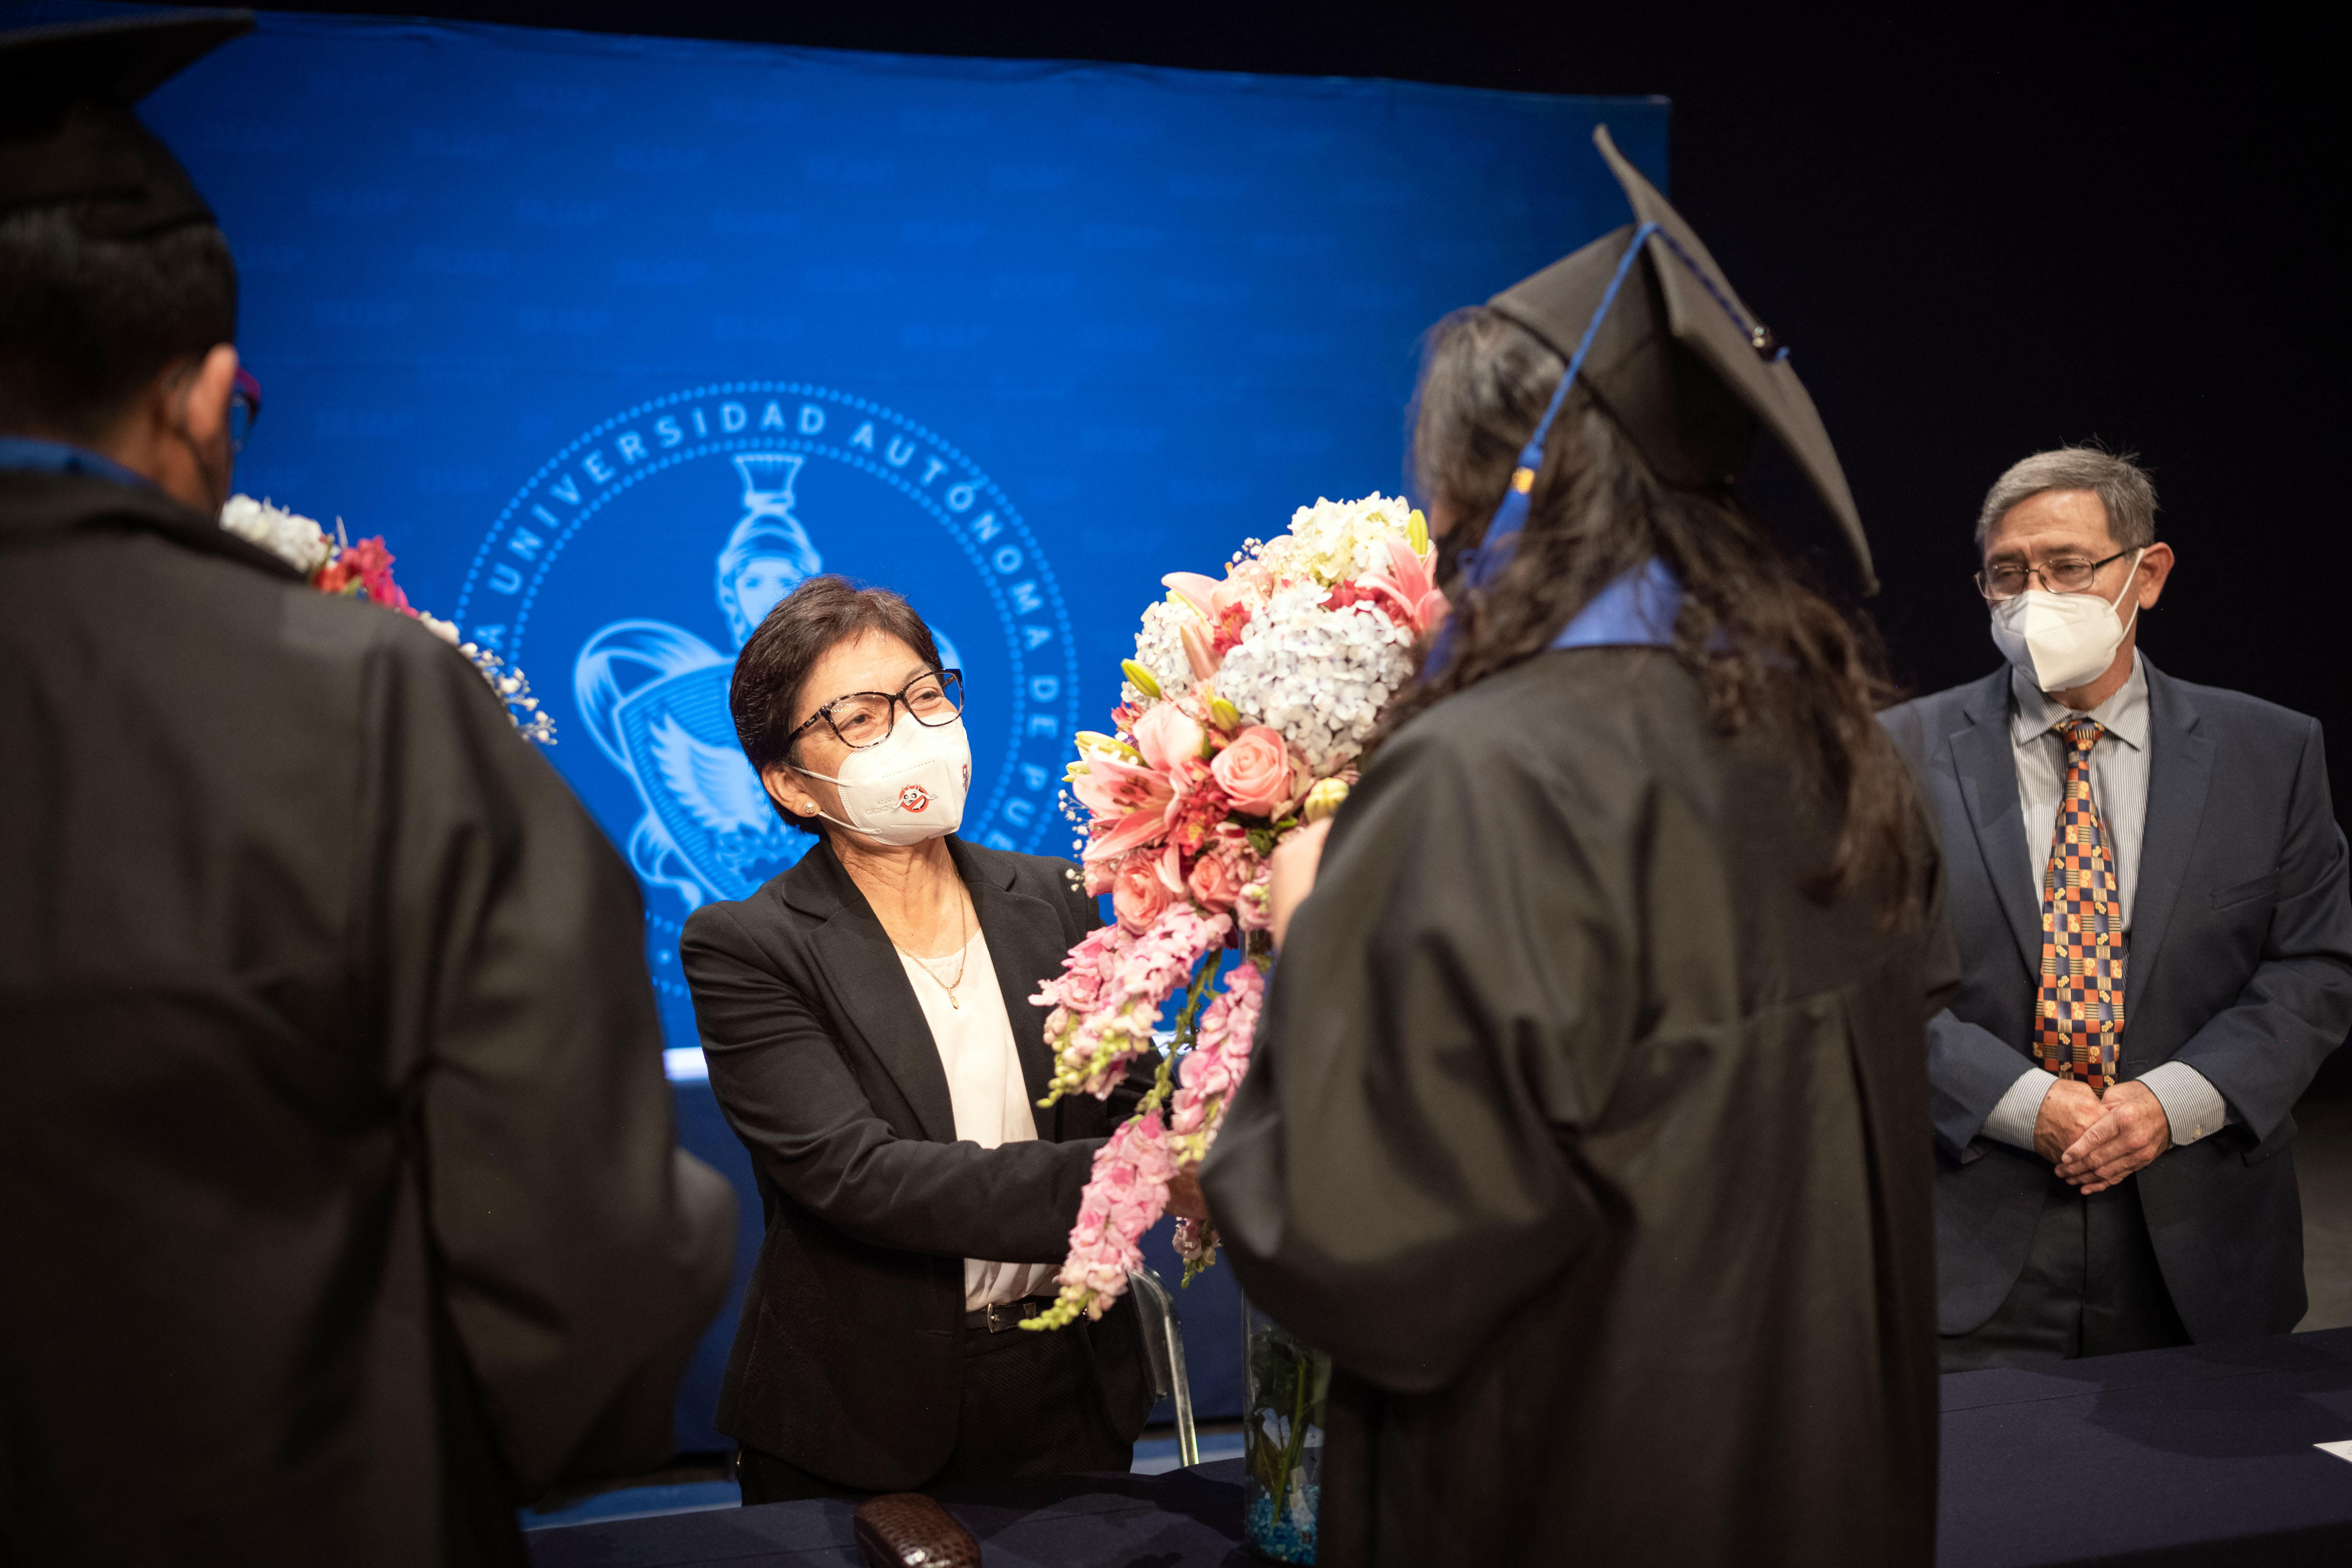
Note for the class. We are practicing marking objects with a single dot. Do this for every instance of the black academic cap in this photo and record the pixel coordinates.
(1685, 368)
(68, 134)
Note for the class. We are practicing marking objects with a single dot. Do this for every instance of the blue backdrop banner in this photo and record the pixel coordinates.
(616, 340)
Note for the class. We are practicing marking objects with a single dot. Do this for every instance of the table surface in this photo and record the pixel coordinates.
(2158, 1460)
(1185, 1519)
(2167, 1457)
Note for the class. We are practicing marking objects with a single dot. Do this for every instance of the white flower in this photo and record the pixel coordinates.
(1336, 540)
(289, 535)
(1318, 676)
(1159, 646)
(445, 630)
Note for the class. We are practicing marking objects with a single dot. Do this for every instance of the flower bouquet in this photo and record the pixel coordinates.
(363, 570)
(1241, 718)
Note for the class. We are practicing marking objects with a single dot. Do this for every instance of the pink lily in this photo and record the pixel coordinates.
(1213, 598)
(1129, 804)
(1109, 787)
(1133, 831)
(1197, 591)
(1197, 651)
(1407, 588)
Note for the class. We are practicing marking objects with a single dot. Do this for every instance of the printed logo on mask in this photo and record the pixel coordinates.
(912, 797)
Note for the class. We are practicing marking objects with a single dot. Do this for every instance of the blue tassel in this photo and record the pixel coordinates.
(1484, 565)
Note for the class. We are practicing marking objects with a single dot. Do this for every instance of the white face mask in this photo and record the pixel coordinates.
(909, 788)
(2061, 640)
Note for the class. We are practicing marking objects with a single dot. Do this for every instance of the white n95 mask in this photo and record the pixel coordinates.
(908, 788)
(2061, 640)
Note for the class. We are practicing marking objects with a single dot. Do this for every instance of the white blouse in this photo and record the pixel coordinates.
(975, 1040)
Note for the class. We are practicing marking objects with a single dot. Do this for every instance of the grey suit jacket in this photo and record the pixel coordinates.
(2241, 965)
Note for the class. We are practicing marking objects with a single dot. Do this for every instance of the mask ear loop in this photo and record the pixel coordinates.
(2129, 578)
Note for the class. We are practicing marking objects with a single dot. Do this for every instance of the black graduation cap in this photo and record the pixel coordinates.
(68, 134)
(1682, 365)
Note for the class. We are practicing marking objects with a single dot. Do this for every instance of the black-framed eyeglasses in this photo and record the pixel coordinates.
(863, 718)
(2008, 579)
(243, 408)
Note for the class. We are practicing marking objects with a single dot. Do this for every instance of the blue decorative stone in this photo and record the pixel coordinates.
(1276, 1533)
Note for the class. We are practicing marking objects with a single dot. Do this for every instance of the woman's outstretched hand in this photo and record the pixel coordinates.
(1184, 1199)
(1295, 861)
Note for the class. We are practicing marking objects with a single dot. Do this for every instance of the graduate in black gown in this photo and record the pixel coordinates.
(1587, 1127)
(340, 1209)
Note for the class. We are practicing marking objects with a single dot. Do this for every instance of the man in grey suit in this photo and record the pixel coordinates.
(2148, 893)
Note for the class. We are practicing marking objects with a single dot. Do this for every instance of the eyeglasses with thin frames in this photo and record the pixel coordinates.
(863, 719)
(2008, 579)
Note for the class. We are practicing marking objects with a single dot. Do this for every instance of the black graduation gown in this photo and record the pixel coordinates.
(340, 1204)
(1595, 1153)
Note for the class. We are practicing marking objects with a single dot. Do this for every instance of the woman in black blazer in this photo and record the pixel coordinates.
(867, 1021)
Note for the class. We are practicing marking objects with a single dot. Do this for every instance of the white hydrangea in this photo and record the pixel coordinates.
(1320, 677)
(1160, 644)
(289, 535)
(1335, 540)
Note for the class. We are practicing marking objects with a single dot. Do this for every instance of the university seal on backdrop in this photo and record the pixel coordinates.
(643, 555)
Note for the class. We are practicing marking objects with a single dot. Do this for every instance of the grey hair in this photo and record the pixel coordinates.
(2122, 486)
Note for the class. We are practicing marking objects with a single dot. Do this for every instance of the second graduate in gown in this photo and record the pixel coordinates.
(1587, 1127)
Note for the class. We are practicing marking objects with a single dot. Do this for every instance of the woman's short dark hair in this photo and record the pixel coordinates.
(804, 627)
(85, 325)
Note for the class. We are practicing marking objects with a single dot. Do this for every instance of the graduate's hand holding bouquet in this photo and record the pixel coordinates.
(1240, 718)
(1295, 862)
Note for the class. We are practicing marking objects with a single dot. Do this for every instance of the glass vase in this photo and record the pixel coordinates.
(1282, 1439)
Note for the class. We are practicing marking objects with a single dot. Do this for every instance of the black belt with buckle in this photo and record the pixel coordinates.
(999, 1316)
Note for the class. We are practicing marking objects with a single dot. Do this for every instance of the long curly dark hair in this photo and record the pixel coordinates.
(1766, 646)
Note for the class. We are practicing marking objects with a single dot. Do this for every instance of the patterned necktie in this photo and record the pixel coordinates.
(2082, 1022)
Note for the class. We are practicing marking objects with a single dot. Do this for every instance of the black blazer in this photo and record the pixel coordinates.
(2241, 965)
(847, 1361)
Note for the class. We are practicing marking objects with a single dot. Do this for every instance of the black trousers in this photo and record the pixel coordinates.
(2091, 1286)
(1030, 1405)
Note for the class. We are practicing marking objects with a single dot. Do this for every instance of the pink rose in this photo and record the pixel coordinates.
(1167, 735)
(1255, 772)
(1214, 883)
(1137, 893)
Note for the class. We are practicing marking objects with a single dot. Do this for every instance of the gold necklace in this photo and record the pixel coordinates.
(964, 956)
